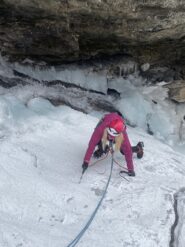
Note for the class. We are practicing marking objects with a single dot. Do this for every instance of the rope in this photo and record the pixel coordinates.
(99, 161)
(120, 165)
(124, 168)
(95, 162)
(79, 236)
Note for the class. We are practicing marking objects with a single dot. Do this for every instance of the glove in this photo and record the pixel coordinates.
(98, 153)
(131, 173)
(84, 166)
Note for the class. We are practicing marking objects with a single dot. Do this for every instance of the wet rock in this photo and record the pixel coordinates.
(11, 82)
(177, 91)
(158, 74)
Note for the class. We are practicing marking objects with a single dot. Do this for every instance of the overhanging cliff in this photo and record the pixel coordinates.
(150, 31)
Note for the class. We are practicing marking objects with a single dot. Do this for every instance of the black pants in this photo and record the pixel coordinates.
(134, 150)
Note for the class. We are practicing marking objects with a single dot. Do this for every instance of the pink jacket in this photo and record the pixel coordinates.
(97, 136)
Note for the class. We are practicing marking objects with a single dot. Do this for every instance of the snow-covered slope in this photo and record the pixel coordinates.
(42, 203)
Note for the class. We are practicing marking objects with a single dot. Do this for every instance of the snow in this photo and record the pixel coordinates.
(42, 203)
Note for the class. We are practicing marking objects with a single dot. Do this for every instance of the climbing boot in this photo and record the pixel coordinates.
(140, 151)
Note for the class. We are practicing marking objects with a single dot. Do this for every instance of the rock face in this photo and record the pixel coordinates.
(151, 31)
(177, 91)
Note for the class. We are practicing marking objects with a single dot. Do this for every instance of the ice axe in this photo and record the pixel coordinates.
(84, 168)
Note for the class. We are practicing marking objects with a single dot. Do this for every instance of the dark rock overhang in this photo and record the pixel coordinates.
(68, 31)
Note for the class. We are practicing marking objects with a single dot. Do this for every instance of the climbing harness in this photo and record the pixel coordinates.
(81, 233)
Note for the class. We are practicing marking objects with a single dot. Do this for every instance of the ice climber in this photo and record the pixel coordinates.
(111, 128)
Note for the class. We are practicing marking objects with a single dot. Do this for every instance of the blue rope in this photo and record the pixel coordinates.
(79, 236)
